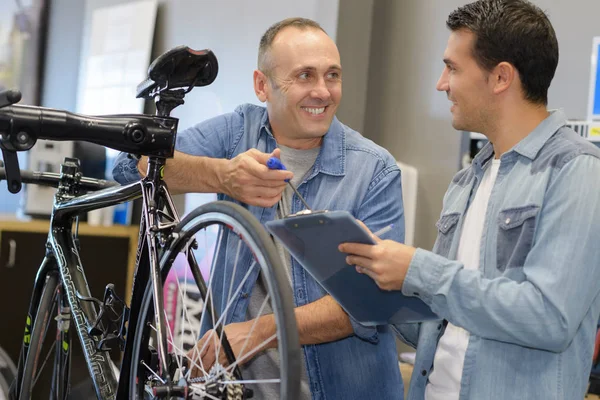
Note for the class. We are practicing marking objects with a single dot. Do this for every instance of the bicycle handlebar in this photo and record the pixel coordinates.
(131, 133)
(52, 179)
(21, 126)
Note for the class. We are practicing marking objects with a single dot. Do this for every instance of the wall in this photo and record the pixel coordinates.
(354, 40)
(405, 113)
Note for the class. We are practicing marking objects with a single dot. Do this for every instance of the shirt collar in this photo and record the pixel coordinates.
(332, 157)
(531, 144)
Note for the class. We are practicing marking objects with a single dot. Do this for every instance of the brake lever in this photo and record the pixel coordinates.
(13, 173)
(11, 162)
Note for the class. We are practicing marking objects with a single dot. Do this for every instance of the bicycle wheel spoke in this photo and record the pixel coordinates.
(212, 308)
(186, 317)
(254, 323)
(181, 351)
(52, 348)
(170, 339)
(152, 372)
(210, 279)
(235, 264)
(196, 354)
(251, 381)
(212, 332)
(250, 354)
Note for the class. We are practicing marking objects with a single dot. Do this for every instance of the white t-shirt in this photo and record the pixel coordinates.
(444, 381)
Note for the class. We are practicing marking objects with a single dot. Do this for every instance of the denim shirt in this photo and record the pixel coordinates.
(532, 306)
(350, 173)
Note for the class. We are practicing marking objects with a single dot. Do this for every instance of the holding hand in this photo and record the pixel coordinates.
(386, 262)
(247, 178)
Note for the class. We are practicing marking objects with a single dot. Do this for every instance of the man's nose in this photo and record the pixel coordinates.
(442, 83)
(321, 90)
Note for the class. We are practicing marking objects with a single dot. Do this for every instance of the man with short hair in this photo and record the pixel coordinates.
(299, 77)
(514, 270)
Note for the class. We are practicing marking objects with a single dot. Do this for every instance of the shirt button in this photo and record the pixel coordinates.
(439, 327)
(301, 294)
(244, 295)
(423, 372)
(507, 221)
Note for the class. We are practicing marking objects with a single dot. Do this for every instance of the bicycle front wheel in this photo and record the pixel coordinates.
(228, 304)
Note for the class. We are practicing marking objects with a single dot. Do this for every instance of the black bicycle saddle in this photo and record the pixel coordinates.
(180, 67)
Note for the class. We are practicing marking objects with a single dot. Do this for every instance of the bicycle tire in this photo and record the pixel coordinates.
(236, 217)
(48, 301)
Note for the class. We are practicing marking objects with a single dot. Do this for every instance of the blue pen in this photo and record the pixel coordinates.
(275, 163)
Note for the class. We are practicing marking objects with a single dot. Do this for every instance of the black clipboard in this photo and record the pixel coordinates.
(313, 239)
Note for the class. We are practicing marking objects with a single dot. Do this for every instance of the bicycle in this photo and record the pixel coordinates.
(155, 362)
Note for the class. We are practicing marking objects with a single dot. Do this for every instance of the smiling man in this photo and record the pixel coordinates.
(299, 78)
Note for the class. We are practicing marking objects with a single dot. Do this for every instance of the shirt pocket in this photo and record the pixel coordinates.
(446, 228)
(516, 227)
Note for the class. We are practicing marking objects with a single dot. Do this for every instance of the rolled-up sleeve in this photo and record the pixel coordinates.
(125, 169)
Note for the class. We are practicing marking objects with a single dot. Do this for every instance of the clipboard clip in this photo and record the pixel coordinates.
(306, 212)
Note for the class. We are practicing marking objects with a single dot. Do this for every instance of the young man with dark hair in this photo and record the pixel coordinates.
(515, 268)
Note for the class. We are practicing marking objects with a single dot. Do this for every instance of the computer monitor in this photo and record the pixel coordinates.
(594, 99)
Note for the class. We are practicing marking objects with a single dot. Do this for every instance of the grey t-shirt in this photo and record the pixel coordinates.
(266, 364)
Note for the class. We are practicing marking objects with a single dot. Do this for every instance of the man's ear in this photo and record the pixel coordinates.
(503, 77)
(260, 85)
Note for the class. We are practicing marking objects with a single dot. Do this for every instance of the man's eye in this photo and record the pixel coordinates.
(334, 75)
(303, 75)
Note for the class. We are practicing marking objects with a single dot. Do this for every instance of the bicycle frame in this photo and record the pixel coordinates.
(62, 255)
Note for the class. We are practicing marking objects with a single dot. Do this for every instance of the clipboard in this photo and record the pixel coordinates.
(313, 239)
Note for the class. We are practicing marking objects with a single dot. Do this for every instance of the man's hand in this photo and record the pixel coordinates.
(243, 343)
(247, 178)
(386, 262)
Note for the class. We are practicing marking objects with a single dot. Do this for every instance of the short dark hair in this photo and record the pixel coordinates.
(267, 38)
(515, 31)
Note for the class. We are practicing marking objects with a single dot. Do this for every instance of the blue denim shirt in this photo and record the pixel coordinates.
(533, 305)
(350, 173)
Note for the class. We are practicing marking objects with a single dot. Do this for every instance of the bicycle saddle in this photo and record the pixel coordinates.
(180, 67)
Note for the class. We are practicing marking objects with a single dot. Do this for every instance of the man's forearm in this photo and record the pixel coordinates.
(321, 321)
(189, 174)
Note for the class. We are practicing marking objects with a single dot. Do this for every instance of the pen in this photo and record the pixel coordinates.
(383, 230)
(275, 163)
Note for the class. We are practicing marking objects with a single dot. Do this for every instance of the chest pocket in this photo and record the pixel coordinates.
(515, 235)
(446, 228)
